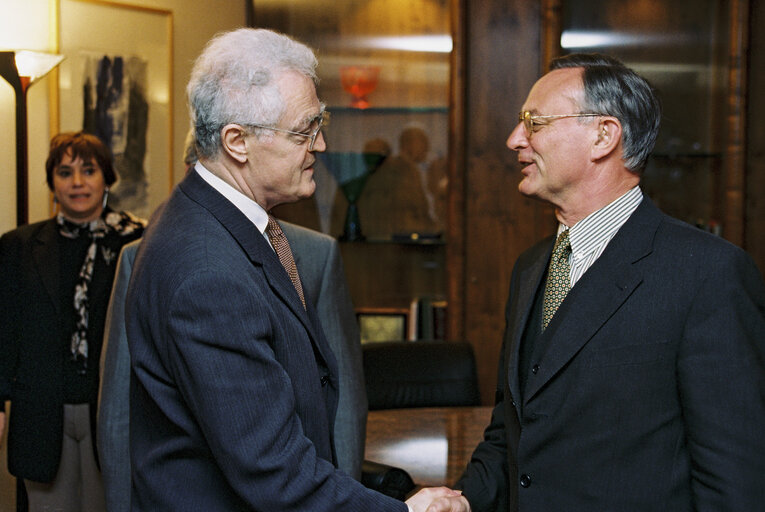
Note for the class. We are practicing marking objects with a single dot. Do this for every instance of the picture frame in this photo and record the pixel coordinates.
(120, 87)
(378, 324)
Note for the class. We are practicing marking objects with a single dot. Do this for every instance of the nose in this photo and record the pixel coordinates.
(77, 178)
(517, 139)
(320, 144)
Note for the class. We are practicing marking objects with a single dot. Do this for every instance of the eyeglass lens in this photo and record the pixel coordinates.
(528, 123)
(315, 131)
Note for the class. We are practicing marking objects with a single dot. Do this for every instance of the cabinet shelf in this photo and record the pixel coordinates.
(387, 110)
(425, 241)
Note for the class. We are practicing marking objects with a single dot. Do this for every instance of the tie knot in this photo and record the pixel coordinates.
(558, 279)
(562, 245)
(273, 228)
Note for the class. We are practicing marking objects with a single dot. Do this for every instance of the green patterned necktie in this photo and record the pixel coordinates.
(558, 279)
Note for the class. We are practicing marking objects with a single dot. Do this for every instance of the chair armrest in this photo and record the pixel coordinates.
(388, 480)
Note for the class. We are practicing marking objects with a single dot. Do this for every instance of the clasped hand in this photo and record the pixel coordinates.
(438, 499)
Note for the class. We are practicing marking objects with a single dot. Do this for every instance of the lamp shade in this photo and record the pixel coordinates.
(35, 65)
(21, 68)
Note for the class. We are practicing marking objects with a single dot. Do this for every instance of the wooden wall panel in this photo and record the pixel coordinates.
(455, 203)
(734, 194)
(754, 234)
(503, 45)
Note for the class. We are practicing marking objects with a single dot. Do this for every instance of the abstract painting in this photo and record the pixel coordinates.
(117, 86)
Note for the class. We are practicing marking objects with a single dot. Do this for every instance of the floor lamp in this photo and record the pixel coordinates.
(21, 68)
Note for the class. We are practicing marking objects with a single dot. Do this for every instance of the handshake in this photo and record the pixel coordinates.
(438, 499)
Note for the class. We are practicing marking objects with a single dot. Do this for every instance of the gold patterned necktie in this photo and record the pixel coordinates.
(283, 251)
(558, 278)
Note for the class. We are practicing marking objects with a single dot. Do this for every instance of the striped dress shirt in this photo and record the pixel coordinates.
(590, 236)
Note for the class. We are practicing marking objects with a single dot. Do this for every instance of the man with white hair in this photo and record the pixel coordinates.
(234, 387)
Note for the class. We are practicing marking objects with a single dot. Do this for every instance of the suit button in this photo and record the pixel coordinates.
(525, 481)
(325, 380)
(535, 369)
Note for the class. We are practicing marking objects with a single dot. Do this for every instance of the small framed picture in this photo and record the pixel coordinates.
(383, 324)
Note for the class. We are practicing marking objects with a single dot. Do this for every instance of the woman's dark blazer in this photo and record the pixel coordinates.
(31, 353)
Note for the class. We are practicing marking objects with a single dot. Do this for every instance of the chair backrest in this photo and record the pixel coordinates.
(420, 374)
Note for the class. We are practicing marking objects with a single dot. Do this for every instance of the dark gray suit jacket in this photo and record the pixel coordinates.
(651, 392)
(321, 271)
(233, 385)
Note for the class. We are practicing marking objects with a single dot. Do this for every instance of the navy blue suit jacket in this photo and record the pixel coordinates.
(233, 385)
(651, 392)
(318, 260)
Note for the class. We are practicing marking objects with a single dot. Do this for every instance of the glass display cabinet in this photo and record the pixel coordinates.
(382, 184)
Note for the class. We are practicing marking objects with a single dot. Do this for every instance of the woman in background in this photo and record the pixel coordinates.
(57, 278)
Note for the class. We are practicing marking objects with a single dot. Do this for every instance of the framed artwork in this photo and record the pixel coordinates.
(116, 82)
(383, 324)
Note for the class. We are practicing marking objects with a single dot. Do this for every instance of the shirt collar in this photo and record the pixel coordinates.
(601, 225)
(247, 206)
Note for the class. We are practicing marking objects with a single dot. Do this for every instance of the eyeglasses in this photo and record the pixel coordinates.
(532, 125)
(317, 124)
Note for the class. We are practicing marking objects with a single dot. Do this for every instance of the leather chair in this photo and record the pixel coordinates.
(389, 480)
(420, 374)
(401, 374)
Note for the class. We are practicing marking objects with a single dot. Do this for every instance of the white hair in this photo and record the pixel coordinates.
(234, 80)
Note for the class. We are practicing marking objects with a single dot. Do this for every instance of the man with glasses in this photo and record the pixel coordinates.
(234, 387)
(632, 374)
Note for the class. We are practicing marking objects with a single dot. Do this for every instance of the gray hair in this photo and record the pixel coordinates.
(234, 80)
(189, 149)
(613, 89)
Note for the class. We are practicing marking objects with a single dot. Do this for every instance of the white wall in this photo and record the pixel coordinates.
(26, 24)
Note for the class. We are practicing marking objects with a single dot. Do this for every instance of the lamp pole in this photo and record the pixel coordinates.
(22, 158)
(20, 85)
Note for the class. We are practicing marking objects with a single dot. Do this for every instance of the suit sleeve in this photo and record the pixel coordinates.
(114, 393)
(485, 480)
(721, 373)
(243, 400)
(338, 321)
(8, 299)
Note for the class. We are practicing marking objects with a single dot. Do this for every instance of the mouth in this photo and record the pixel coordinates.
(525, 164)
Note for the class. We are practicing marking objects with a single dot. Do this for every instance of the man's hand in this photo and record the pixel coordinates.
(449, 504)
(438, 499)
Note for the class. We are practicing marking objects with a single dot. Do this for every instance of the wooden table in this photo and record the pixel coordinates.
(432, 444)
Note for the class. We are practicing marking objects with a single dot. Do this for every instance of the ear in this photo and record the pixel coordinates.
(608, 138)
(234, 142)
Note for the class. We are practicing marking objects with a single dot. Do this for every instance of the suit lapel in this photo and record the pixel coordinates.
(254, 245)
(601, 291)
(529, 279)
(45, 255)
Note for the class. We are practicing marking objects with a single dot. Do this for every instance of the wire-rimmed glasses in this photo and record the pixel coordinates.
(317, 124)
(531, 124)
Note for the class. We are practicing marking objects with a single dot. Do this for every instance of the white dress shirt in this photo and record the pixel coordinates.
(590, 236)
(252, 210)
